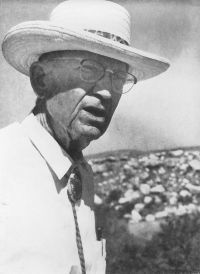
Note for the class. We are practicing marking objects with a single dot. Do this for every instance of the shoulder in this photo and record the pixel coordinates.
(6, 131)
(9, 134)
(9, 137)
(12, 139)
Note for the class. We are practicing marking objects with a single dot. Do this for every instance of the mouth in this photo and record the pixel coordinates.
(95, 117)
(94, 111)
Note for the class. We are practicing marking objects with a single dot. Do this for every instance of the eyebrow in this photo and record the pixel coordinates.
(51, 57)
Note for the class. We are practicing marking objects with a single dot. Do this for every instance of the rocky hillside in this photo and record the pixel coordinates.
(148, 187)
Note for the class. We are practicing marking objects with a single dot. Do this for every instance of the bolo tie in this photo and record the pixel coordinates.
(74, 192)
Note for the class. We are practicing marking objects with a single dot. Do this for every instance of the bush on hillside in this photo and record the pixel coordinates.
(176, 249)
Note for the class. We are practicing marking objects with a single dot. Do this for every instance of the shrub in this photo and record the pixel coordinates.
(176, 249)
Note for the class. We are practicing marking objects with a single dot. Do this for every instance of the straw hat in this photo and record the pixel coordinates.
(102, 27)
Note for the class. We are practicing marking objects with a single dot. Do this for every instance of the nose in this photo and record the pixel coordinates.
(104, 94)
(106, 81)
(103, 86)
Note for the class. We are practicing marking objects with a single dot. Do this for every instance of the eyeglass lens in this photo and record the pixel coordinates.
(91, 72)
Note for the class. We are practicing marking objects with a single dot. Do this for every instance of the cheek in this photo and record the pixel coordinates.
(62, 106)
(115, 101)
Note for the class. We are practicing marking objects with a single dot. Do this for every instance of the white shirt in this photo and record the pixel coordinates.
(37, 230)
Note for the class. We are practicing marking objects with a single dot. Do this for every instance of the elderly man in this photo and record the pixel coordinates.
(79, 63)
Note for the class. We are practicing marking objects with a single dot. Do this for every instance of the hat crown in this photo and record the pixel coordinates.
(95, 16)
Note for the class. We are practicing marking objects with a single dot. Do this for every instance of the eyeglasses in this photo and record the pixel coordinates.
(91, 72)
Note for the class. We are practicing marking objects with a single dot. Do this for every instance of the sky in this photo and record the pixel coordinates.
(159, 113)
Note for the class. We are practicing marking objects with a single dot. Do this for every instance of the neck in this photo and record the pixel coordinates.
(40, 113)
(42, 119)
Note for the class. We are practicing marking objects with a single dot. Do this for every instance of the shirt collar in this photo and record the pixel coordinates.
(50, 150)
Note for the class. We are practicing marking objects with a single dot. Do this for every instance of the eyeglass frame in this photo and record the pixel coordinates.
(104, 71)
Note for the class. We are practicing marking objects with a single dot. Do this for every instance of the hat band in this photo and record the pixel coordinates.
(108, 35)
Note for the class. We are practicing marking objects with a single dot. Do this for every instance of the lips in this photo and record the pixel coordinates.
(95, 111)
(94, 116)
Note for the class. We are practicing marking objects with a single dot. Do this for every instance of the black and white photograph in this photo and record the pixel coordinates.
(100, 137)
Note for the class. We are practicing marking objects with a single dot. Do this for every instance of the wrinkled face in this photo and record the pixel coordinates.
(80, 111)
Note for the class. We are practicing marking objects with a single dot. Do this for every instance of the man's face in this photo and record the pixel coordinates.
(80, 111)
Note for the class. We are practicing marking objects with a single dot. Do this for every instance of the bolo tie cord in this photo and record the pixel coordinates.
(74, 192)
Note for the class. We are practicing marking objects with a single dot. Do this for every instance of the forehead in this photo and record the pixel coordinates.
(63, 56)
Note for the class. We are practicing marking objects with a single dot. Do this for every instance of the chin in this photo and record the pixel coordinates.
(86, 134)
(91, 133)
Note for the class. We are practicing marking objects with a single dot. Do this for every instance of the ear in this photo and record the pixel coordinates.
(37, 78)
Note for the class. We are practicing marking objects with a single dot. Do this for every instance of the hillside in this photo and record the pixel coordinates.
(155, 185)
(157, 195)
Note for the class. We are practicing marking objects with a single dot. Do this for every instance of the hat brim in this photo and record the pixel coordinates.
(24, 43)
